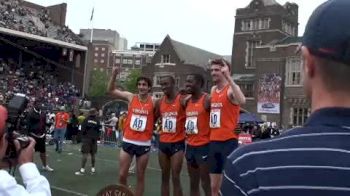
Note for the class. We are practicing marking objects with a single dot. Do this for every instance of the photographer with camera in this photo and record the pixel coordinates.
(36, 121)
(34, 182)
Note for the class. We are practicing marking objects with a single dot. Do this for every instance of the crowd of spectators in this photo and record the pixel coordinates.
(38, 81)
(17, 17)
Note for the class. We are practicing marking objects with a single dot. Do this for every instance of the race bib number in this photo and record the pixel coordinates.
(191, 125)
(138, 123)
(169, 124)
(215, 116)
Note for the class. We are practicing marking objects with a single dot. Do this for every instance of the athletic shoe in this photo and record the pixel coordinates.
(47, 168)
(80, 172)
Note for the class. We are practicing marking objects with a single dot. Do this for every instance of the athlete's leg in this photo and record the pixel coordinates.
(164, 162)
(176, 166)
(125, 160)
(141, 165)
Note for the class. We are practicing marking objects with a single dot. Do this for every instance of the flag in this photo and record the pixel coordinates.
(92, 14)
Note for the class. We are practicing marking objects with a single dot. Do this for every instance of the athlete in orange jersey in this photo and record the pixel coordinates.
(172, 136)
(197, 131)
(137, 130)
(226, 96)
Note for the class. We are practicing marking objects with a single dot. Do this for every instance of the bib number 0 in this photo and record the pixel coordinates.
(215, 118)
(138, 123)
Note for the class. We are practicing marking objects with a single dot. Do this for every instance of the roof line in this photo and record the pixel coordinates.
(42, 39)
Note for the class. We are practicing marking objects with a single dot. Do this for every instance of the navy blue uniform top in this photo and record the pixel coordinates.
(312, 160)
(91, 127)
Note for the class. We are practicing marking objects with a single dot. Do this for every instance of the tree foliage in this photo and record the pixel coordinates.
(98, 83)
(130, 83)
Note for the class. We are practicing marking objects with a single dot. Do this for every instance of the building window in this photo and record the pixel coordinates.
(137, 62)
(103, 49)
(299, 116)
(95, 60)
(266, 23)
(125, 61)
(102, 61)
(117, 61)
(249, 63)
(130, 61)
(103, 55)
(293, 71)
(156, 81)
(96, 54)
(97, 48)
(255, 24)
(247, 89)
(288, 28)
(165, 58)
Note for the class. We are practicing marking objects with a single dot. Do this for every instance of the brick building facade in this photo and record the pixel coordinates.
(178, 59)
(265, 42)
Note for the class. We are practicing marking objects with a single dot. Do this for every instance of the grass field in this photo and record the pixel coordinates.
(63, 181)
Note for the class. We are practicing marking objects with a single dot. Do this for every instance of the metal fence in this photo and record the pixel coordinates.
(110, 135)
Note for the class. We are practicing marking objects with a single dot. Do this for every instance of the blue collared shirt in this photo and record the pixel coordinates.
(310, 160)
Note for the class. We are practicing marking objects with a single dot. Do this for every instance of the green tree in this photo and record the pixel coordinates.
(130, 83)
(99, 81)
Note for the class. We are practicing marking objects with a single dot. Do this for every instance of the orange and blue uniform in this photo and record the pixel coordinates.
(223, 121)
(172, 133)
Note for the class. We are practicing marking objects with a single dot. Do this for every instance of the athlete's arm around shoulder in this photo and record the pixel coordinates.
(156, 108)
(184, 100)
(116, 93)
(234, 93)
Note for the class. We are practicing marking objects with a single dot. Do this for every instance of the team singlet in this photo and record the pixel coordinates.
(139, 122)
(223, 116)
(196, 126)
(173, 121)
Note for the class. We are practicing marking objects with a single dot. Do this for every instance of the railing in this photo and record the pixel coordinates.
(110, 135)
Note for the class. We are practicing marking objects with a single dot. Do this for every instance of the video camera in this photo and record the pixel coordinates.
(15, 108)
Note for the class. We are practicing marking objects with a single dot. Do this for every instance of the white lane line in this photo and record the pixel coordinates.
(67, 191)
(60, 189)
(107, 160)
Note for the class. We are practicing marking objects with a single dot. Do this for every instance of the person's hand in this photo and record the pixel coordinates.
(225, 70)
(25, 155)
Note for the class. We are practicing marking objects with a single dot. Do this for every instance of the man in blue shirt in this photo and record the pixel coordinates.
(313, 159)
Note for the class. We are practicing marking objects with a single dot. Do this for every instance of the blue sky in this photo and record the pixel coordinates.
(207, 24)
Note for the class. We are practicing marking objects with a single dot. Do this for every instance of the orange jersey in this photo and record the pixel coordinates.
(139, 121)
(223, 116)
(197, 118)
(61, 120)
(173, 121)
